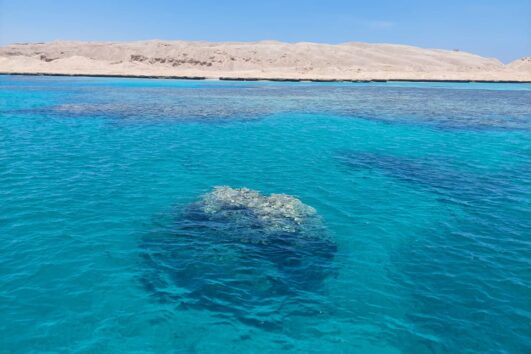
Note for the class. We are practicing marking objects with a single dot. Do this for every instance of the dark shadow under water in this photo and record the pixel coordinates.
(466, 277)
(436, 175)
(240, 263)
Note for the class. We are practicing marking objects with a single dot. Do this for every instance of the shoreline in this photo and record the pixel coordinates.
(272, 79)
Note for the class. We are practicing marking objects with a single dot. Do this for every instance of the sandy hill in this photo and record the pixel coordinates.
(522, 64)
(266, 59)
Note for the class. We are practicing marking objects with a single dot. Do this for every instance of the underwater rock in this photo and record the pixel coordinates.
(276, 213)
(236, 251)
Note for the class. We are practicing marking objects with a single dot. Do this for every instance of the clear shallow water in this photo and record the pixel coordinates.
(425, 189)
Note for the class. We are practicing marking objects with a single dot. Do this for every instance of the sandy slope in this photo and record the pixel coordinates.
(267, 59)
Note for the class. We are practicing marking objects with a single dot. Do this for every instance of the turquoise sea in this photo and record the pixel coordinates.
(423, 188)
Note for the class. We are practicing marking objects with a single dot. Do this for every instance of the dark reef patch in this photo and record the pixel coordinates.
(241, 255)
(418, 171)
(439, 176)
(457, 270)
(480, 108)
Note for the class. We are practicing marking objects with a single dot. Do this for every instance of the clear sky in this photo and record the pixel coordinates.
(494, 28)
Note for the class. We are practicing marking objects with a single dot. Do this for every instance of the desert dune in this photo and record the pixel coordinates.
(257, 60)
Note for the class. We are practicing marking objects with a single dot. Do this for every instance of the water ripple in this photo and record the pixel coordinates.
(423, 188)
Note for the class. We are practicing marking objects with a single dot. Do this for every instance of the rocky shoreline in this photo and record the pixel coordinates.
(199, 78)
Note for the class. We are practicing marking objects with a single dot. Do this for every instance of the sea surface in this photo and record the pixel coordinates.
(423, 191)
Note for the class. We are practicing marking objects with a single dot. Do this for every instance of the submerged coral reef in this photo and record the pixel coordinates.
(236, 251)
(243, 206)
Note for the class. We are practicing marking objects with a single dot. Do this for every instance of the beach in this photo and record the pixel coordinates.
(264, 60)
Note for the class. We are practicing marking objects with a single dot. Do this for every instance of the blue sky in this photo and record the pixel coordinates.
(494, 28)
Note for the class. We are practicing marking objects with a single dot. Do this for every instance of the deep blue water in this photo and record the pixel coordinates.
(424, 190)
